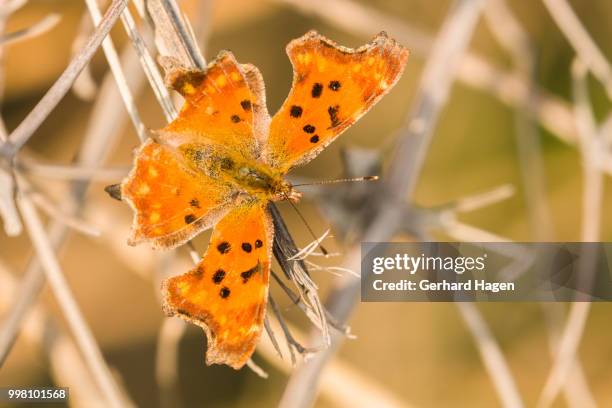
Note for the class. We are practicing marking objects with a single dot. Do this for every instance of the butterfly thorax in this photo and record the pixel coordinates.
(248, 175)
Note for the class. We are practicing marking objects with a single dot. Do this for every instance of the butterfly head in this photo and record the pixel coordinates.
(289, 193)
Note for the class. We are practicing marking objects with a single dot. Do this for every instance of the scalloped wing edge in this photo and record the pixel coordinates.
(212, 352)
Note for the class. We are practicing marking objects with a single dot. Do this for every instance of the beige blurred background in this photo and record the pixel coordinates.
(421, 353)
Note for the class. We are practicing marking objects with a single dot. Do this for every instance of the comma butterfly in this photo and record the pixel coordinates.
(222, 160)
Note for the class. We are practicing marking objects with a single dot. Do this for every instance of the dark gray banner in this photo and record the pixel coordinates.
(486, 272)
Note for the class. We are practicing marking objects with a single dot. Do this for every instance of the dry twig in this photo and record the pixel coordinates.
(43, 108)
(70, 309)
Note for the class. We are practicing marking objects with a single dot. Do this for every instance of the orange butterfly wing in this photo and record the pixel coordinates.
(224, 105)
(173, 189)
(172, 203)
(332, 87)
(226, 294)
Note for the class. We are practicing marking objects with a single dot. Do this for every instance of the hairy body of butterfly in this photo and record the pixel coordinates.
(223, 159)
(253, 178)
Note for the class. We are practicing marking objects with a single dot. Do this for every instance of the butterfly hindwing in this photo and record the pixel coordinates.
(332, 87)
(171, 202)
(226, 294)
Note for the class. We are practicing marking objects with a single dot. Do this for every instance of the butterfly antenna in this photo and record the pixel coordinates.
(343, 180)
(321, 247)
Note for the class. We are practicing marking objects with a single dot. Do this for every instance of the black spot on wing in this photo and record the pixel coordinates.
(224, 247)
(235, 118)
(246, 247)
(317, 89)
(296, 111)
(246, 105)
(224, 292)
(333, 115)
(218, 276)
(334, 85)
(194, 203)
(246, 275)
(314, 139)
(189, 218)
(258, 243)
(309, 129)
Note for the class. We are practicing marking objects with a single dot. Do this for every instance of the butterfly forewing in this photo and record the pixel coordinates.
(225, 104)
(332, 87)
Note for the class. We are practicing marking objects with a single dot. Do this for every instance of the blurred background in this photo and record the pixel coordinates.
(507, 135)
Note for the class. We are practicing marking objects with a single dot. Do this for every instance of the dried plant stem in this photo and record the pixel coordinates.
(438, 75)
(113, 61)
(41, 330)
(592, 199)
(42, 202)
(10, 6)
(84, 86)
(8, 211)
(49, 101)
(31, 282)
(148, 65)
(81, 331)
(166, 367)
(41, 27)
(342, 384)
(579, 38)
(99, 138)
(271, 336)
(512, 36)
(491, 355)
(71, 172)
(172, 33)
(566, 353)
(576, 389)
